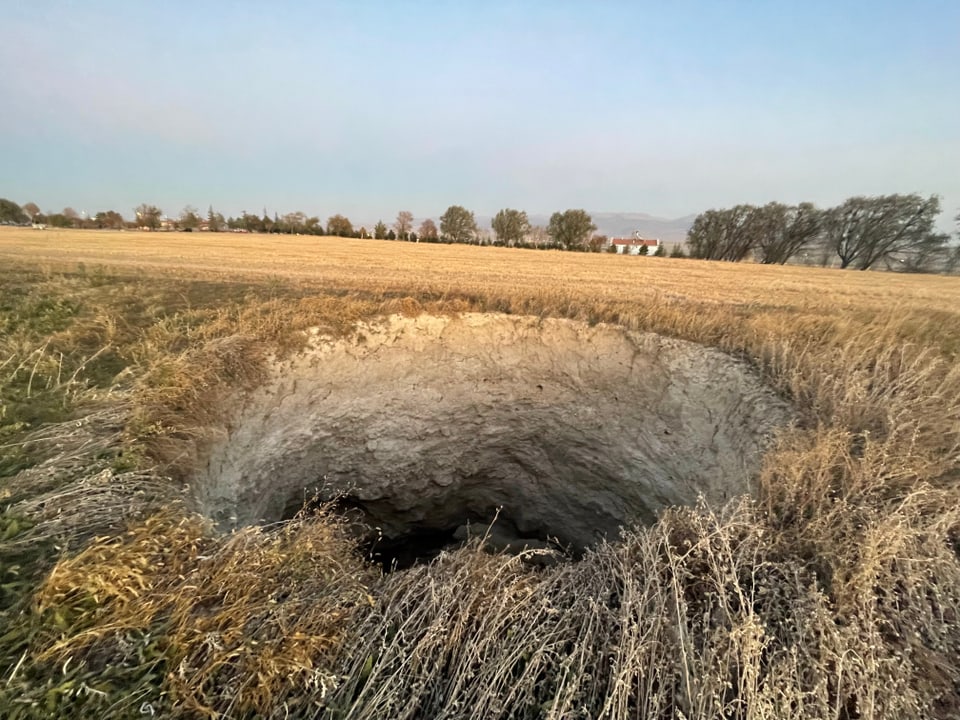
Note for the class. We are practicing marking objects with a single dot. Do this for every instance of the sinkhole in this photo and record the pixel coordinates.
(428, 428)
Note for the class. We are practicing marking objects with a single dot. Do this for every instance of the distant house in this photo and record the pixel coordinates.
(635, 245)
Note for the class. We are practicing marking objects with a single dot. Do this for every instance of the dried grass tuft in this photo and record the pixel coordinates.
(242, 620)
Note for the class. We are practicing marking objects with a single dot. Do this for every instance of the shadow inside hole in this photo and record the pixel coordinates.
(415, 548)
(422, 544)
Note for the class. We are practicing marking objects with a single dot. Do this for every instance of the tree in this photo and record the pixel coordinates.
(538, 237)
(340, 226)
(380, 230)
(952, 263)
(865, 230)
(677, 251)
(404, 224)
(599, 243)
(930, 254)
(250, 222)
(31, 209)
(266, 224)
(59, 220)
(109, 219)
(148, 216)
(953, 258)
(783, 231)
(189, 219)
(428, 230)
(510, 226)
(10, 212)
(571, 228)
(661, 251)
(295, 222)
(724, 234)
(458, 224)
(312, 226)
(66, 218)
(215, 221)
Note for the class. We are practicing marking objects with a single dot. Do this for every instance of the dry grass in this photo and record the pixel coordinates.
(437, 271)
(835, 593)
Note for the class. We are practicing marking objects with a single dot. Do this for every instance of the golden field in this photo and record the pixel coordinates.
(833, 592)
(394, 266)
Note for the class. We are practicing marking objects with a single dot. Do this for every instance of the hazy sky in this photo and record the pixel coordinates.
(366, 108)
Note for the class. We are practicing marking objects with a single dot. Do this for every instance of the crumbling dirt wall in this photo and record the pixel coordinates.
(430, 422)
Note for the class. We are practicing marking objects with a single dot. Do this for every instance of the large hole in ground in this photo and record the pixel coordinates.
(427, 428)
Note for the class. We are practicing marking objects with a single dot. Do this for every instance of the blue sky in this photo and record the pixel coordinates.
(366, 108)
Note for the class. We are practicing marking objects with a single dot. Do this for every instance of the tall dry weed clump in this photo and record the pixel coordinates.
(833, 592)
(703, 615)
(168, 617)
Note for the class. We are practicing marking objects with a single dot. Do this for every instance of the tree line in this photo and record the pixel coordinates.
(895, 231)
(568, 230)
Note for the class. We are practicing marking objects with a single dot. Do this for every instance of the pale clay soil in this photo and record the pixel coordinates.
(429, 423)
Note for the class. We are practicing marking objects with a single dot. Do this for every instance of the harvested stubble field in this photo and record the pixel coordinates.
(832, 590)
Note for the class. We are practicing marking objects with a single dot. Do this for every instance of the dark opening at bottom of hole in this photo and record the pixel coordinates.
(400, 553)
(404, 552)
(419, 545)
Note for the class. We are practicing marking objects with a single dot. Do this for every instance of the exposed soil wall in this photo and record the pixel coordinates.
(433, 422)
